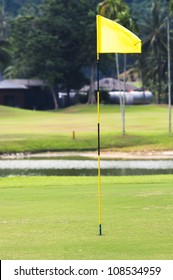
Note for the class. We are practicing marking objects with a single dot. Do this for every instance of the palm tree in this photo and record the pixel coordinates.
(169, 67)
(111, 8)
(4, 43)
(170, 3)
(119, 11)
(155, 45)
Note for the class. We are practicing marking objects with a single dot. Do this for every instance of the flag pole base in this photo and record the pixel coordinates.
(100, 230)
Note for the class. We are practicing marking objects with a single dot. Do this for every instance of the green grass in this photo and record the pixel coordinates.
(57, 218)
(33, 131)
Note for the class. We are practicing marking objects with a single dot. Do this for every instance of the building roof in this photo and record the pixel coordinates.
(109, 84)
(28, 82)
(21, 83)
(6, 84)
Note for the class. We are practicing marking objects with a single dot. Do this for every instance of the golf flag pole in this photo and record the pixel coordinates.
(111, 38)
(98, 128)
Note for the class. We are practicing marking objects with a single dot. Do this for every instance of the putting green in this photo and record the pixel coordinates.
(57, 218)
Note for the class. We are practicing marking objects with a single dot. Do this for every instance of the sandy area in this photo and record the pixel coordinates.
(92, 154)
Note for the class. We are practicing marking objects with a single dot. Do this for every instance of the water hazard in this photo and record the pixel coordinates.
(61, 167)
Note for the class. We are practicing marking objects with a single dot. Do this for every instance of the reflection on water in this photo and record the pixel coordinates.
(85, 164)
(84, 167)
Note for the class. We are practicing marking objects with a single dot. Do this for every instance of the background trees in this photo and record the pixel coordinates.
(153, 31)
(13, 6)
(56, 40)
(55, 44)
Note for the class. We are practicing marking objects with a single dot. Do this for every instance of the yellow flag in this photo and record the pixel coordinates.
(114, 38)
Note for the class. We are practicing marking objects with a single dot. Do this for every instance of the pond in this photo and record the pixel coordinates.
(61, 167)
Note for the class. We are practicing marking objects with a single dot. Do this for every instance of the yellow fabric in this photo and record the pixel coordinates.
(114, 38)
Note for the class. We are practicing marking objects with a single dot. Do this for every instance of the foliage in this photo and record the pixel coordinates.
(65, 33)
(153, 31)
(117, 10)
(37, 27)
(4, 42)
(13, 6)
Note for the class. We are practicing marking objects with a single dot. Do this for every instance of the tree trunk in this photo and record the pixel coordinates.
(121, 94)
(141, 67)
(54, 98)
(91, 95)
(68, 97)
(169, 74)
(124, 100)
(159, 71)
(159, 79)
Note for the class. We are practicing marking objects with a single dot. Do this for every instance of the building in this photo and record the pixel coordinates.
(12, 94)
(27, 94)
(112, 91)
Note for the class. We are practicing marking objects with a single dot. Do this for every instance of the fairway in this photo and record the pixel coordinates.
(57, 218)
(35, 131)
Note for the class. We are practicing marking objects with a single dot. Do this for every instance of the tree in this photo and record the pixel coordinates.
(89, 46)
(155, 46)
(13, 6)
(153, 31)
(111, 8)
(4, 43)
(52, 45)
